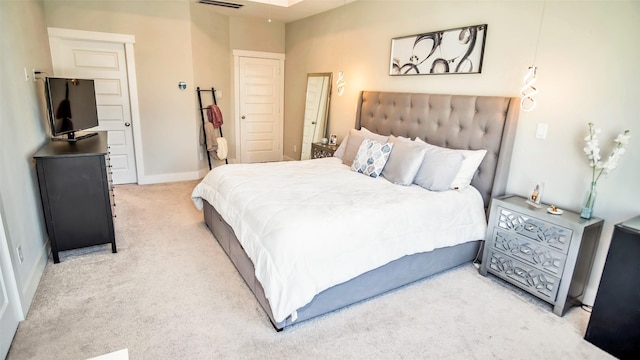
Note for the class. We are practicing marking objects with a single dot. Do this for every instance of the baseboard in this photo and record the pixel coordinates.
(28, 292)
(165, 178)
(214, 164)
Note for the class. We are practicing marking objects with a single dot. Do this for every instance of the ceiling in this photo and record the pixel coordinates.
(267, 9)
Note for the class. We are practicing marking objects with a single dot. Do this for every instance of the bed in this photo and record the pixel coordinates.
(309, 237)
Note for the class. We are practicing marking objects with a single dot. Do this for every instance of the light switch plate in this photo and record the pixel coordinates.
(541, 132)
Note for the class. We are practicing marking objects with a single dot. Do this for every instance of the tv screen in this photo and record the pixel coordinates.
(72, 105)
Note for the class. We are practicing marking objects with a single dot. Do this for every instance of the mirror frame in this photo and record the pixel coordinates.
(325, 116)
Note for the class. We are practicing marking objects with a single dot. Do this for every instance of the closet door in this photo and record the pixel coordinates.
(260, 84)
(103, 58)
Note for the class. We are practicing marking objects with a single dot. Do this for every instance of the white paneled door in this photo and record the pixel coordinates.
(105, 62)
(260, 109)
(10, 313)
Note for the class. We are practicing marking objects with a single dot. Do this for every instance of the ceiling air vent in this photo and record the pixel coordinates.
(221, 3)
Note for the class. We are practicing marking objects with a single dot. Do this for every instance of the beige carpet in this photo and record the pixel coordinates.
(171, 293)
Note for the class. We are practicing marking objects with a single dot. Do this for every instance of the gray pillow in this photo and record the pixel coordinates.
(354, 140)
(438, 169)
(470, 164)
(404, 161)
(351, 149)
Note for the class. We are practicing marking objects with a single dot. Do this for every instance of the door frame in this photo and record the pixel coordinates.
(237, 54)
(127, 41)
(9, 278)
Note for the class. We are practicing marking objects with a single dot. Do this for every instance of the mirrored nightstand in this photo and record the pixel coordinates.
(318, 150)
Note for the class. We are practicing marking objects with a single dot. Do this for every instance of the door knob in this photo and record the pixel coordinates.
(127, 124)
(242, 117)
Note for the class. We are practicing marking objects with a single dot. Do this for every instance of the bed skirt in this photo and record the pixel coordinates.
(391, 276)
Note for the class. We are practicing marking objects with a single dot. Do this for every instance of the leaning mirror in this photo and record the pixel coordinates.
(316, 111)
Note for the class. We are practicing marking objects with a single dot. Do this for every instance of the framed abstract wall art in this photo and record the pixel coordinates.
(454, 51)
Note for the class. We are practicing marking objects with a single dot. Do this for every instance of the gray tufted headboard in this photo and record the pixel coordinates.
(453, 121)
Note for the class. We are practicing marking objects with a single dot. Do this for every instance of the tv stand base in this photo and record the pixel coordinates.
(74, 138)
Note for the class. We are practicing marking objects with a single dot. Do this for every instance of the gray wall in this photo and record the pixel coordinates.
(22, 131)
(211, 65)
(587, 72)
(163, 55)
(175, 41)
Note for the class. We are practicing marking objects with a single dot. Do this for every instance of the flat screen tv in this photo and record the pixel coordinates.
(72, 107)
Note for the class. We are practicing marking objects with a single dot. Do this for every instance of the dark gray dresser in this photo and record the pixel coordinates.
(549, 256)
(614, 325)
(76, 192)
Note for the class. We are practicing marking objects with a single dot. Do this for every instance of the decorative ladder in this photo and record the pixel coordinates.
(213, 95)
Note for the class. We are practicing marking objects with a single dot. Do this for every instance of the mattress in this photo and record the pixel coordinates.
(309, 225)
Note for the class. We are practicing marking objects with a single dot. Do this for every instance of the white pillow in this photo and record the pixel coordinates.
(371, 135)
(471, 162)
(371, 158)
(339, 153)
(400, 138)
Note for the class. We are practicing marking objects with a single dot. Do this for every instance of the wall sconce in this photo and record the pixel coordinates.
(528, 91)
(269, 12)
(182, 85)
(340, 82)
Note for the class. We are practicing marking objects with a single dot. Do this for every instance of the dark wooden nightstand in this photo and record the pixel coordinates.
(318, 150)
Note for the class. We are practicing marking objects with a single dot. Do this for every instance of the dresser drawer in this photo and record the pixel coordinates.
(524, 276)
(553, 236)
(529, 251)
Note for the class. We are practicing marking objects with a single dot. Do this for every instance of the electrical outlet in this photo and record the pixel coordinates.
(219, 94)
(20, 255)
(26, 75)
(295, 148)
(33, 75)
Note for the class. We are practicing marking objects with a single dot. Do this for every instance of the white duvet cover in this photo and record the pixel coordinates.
(309, 225)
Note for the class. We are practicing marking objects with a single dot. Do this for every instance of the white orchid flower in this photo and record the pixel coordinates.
(592, 150)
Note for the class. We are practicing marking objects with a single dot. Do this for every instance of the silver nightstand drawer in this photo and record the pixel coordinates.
(529, 251)
(553, 236)
(526, 277)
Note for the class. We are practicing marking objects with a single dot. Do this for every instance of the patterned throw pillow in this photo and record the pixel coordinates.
(371, 158)
(348, 149)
